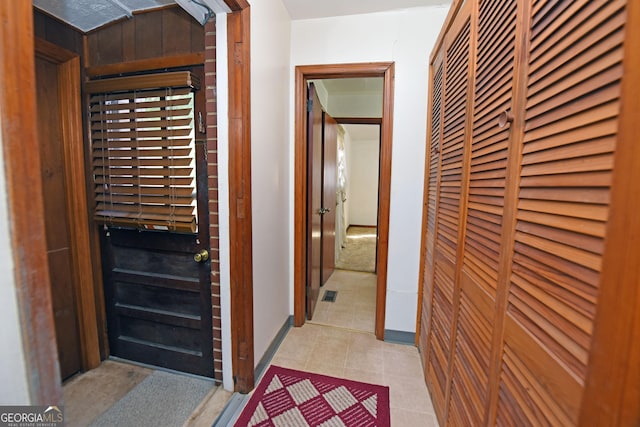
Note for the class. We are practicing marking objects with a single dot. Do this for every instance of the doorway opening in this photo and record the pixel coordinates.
(353, 281)
(304, 74)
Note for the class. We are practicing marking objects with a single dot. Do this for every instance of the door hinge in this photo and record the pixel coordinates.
(309, 105)
(235, 380)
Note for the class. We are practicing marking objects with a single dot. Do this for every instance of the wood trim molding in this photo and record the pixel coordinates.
(240, 222)
(359, 120)
(237, 5)
(175, 61)
(71, 110)
(25, 203)
(612, 389)
(302, 75)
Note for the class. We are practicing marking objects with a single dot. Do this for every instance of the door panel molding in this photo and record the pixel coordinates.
(303, 75)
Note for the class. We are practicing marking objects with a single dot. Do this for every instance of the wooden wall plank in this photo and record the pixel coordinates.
(176, 34)
(149, 39)
(149, 35)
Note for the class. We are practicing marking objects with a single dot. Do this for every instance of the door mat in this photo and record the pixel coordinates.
(161, 399)
(286, 397)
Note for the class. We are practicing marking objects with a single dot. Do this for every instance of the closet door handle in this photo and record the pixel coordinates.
(504, 118)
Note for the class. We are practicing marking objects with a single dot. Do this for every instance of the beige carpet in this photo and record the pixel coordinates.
(359, 253)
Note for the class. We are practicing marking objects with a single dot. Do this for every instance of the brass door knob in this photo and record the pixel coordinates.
(201, 256)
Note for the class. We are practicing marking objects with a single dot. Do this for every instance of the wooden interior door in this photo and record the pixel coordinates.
(329, 188)
(314, 200)
(58, 234)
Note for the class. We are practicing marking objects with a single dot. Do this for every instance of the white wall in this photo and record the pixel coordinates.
(362, 170)
(270, 169)
(348, 154)
(405, 37)
(14, 388)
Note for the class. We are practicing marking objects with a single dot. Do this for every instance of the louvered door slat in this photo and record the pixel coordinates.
(569, 137)
(488, 162)
(446, 198)
(431, 184)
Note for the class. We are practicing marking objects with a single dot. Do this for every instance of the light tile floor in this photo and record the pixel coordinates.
(355, 305)
(358, 356)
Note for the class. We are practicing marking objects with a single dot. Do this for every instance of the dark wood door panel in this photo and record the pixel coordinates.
(158, 304)
(314, 195)
(329, 187)
(64, 312)
(59, 242)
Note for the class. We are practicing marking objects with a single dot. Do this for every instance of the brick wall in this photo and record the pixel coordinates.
(212, 159)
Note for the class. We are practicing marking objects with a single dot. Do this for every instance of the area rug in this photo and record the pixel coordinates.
(161, 399)
(359, 253)
(286, 397)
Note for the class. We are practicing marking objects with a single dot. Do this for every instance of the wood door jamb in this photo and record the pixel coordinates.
(68, 65)
(302, 75)
(25, 211)
(240, 222)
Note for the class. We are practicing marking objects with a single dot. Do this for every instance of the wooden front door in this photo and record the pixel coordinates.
(158, 293)
(314, 200)
(58, 233)
(150, 171)
(329, 187)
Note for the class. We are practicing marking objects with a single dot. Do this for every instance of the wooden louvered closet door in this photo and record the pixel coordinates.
(432, 168)
(493, 95)
(524, 112)
(570, 127)
(449, 157)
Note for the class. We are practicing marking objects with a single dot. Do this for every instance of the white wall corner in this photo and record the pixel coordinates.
(222, 100)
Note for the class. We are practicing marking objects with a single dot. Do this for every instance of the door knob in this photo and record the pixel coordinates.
(201, 256)
(504, 118)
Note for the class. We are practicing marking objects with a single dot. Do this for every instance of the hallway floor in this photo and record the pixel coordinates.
(359, 356)
(355, 304)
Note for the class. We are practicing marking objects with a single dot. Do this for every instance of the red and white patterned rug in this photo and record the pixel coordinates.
(286, 397)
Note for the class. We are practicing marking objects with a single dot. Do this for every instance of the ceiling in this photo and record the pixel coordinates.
(87, 15)
(308, 9)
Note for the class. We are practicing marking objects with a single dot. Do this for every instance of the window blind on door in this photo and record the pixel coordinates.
(143, 149)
